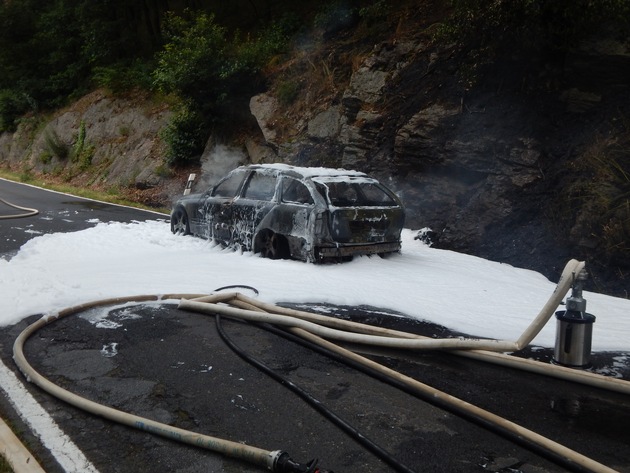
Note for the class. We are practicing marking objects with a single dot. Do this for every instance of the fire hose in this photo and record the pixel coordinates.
(28, 212)
(314, 328)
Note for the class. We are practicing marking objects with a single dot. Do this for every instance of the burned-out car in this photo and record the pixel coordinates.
(282, 211)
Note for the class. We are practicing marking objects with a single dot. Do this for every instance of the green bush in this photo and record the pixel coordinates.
(335, 16)
(485, 30)
(288, 91)
(200, 62)
(548, 25)
(194, 59)
(209, 70)
(252, 54)
(375, 12)
(185, 136)
(123, 77)
(11, 108)
(55, 146)
(82, 151)
(532, 24)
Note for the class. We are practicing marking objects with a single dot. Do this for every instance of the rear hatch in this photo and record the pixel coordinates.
(361, 210)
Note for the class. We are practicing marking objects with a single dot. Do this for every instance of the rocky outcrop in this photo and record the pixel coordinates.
(98, 140)
(264, 107)
(478, 166)
(457, 171)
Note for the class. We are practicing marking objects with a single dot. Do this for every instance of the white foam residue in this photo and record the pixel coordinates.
(463, 293)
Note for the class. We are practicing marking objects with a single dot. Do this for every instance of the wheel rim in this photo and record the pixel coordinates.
(273, 246)
(179, 223)
(270, 246)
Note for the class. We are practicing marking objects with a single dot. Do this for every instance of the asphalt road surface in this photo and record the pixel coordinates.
(57, 213)
(173, 366)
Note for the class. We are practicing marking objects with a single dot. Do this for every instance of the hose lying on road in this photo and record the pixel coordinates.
(293, 320)
(28, 212)
(553, 450)
(387, 336)
(277, 460)
(316, 404)
(421, 391)
(310, 326)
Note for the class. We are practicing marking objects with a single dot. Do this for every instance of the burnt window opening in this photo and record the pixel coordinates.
(373, 194)
(260, 187)
(230, 185)
(359, 194)
(294, 191)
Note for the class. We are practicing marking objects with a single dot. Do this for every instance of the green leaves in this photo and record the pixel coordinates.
(525, 24)
(12, 105)
(185, 135)
(209, 69)
(194, 57)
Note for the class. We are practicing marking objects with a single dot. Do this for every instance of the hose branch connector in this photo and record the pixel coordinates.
(576, 303)
(282, 463)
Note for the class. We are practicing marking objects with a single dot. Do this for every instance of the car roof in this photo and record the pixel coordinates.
(304, 172)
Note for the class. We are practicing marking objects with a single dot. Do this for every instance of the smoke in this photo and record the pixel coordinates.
(216, 162)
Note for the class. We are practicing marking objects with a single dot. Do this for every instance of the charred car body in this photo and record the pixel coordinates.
(282, 211)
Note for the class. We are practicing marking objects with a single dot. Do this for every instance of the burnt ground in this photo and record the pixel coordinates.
(561, 214)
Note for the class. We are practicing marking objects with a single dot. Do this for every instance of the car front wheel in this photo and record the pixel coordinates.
(179, 222)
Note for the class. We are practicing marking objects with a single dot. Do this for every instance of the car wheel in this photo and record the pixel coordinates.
(272, 246)
(179, 222)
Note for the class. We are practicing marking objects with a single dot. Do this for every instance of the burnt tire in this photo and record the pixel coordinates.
(179, 222)
(273, 246)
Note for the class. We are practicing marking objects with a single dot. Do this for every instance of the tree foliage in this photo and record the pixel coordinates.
(185, 135)
(555, 25)
(48, 50)
(52, 51)
(195, 59)
(208, 57)
(209, 68)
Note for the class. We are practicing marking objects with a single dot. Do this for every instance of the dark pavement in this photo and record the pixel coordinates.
(57, 213)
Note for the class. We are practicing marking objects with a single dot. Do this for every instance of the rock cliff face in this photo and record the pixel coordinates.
(489, 165)
(99, 141)
(486, 167)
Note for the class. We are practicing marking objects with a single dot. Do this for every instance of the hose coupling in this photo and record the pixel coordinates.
(283, 463)
(576, 303)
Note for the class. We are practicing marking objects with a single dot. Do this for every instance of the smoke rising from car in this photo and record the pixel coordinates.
(216, 162)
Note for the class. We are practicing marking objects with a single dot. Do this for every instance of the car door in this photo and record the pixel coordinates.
(217, 207)
(255, 201)
(294, 215)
